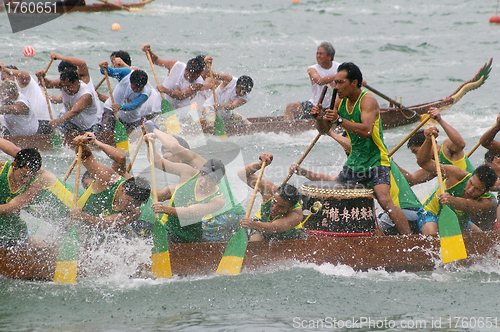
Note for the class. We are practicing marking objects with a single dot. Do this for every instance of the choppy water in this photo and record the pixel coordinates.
(417, 50)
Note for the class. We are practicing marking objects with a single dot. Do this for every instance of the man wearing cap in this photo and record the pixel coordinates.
(110, 202)
(280, 213)
(194, 197)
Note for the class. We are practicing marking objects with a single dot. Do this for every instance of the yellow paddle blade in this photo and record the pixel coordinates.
(160, 266)
(230, 265)
(66, 272)
(453, 248)
(430, 122)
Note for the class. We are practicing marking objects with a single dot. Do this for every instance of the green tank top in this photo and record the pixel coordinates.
(185, 196)
(12, 227)
(54, 201)
(147, 213)
(463, 163)
(401, 192)
(231, 205)
(434, 206)
(264, 214)
(366, 153)
(100, 204)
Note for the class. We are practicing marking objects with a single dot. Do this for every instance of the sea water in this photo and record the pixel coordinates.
(419, 51)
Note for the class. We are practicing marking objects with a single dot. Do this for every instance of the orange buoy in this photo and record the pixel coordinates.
(495, 19)
(29, 51)
(115, 27)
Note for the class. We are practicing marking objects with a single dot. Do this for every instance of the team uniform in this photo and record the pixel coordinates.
(86, 120)
(225, 96)
(38, 103)
(17, 124)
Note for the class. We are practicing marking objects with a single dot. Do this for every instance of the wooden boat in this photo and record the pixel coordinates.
(391, 117)
(97, 7)
(392, 253)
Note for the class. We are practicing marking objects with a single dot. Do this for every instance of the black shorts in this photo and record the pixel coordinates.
(306, 108)
(376, 175)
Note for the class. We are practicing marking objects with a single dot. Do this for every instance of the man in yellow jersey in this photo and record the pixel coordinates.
(280, 213)
(465, 193)
(451, 152)
(358, 113)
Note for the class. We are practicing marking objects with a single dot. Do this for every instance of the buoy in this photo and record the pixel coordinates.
(29, 51)
(115, 27)
(495, 19)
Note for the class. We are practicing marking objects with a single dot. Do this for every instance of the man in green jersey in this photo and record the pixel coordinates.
(358, 113)
(465, 193)
(110, 202)
(280, 213)
(18, 188)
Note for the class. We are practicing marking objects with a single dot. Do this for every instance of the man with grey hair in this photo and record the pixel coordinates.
(320, 74)
(18, 115)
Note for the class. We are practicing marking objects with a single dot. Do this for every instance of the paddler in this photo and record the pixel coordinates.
(18, 188)
(466, 193)
(111, 202)
(358, 112)
(223, 223)
(231, 93)
(280, 212)
(18, 115)
(183, 81)
(320, 74)
(195, 196)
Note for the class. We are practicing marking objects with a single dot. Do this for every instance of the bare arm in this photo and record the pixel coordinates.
(117, 220)
(455, 142)
(83, 103)
(317, 79)
(195, 210)
(23, 78)
(188, 92)
(18, 108)
(82, 69)
(22, 200)
(488, 138)
(290, 220)
(9, 148)
(247, 174)
(157, 60)
(310, 175)
(118, 157)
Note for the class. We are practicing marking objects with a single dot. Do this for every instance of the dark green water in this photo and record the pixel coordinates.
(418, 50)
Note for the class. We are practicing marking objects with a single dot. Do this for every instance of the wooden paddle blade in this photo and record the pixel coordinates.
(219, 128)
(450, 235)
(55, 141)
(160, 257)
(121, 137)
(171, 123)
(67, 261)
(232, 260)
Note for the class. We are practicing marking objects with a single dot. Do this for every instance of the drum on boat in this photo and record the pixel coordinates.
(338, 209)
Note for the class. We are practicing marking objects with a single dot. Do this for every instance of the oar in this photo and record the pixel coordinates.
(70, 169)
(67, 261)
(474, 148)
(132, 159)
(160, 257)
(219, 127)
(121, 136)
(332, 104)
(450, 235)
(424, 121)
(167, 110)
(403, 109)
(55, 141)
(232, 260)
(100, 83)
(115, 5)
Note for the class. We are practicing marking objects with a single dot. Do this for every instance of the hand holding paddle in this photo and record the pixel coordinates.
(450, 235)
(219, 127)
(232, 260)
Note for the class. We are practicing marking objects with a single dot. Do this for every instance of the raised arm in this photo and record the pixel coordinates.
(488, 139)
(119, 159)
(455, 142)
(23, 78)
(247, 174)
(82, 69)
(157, 60)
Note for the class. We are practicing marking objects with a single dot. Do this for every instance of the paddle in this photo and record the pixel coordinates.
(160, 257)
(167, 110)
(450, 235)
(474, 148)
(67, 261)
(121, 136)
(219, 127)
(132, 159)
(403, 108)
(70, 169)
(232, 260)
(332, 104)
(55, 141)
(99, 84)
(427, 117)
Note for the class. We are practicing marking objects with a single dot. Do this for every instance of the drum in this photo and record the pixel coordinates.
(338, 209)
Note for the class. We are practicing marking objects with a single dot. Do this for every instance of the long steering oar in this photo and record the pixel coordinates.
(427, 117)
(55, 140)
(121, 136)
(219, 127)
(450, 235)
(332, 103)
(411, 113)
(160, 257)
(232, 260)
(167, 110)
(67, 261)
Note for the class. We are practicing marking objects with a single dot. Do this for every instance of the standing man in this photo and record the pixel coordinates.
(358, 113)
(320, 74)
